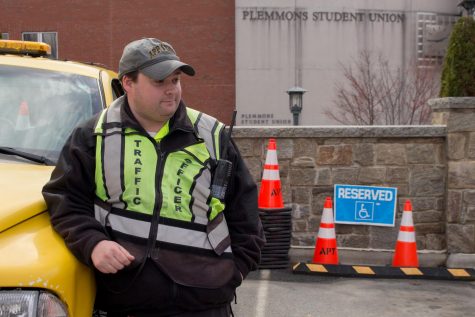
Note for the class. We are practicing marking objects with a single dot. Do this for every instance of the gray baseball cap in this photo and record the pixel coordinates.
(153, 58)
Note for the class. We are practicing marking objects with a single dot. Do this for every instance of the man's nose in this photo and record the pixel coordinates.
(170, 88)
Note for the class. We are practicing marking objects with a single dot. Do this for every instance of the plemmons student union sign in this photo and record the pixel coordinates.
(324, 16)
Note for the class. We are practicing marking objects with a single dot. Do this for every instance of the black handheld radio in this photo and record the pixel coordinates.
(222, 171)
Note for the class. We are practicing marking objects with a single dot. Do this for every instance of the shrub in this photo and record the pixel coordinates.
(458, 73)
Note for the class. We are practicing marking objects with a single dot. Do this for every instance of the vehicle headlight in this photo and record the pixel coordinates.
(17, 303)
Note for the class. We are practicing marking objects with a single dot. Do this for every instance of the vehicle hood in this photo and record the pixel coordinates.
(20, 192)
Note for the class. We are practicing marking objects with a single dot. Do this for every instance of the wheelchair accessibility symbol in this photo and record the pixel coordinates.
(364, 210)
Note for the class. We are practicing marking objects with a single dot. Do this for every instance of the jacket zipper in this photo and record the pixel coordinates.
(152, 238)
(158, 203)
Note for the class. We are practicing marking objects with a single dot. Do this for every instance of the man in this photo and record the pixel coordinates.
(131, 195)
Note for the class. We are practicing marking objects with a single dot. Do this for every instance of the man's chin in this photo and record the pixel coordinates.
(168, 110)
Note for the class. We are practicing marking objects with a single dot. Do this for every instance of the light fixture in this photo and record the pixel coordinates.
(468, 5)
(296, 102)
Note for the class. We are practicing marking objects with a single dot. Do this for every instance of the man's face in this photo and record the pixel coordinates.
(153, 101)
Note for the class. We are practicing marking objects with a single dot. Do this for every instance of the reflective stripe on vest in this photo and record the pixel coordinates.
(185, 183)
(170, 234)
(208, 128)
(111, 146)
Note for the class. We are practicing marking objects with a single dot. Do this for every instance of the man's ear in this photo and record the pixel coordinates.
(126, 83)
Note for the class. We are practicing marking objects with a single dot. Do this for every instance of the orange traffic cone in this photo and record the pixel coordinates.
(406, 248)
(326, 251)
(23, 118)
(270, 195)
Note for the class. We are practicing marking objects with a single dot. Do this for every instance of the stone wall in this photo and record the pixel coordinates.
(458, 115)
(313, 159)
(433, 166)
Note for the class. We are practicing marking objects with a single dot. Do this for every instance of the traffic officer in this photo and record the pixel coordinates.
(132, 197)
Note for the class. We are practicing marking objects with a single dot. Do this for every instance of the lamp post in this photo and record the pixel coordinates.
(468, 5)
(295, 102)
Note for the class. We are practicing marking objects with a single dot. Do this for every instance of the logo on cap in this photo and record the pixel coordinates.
(161, 48)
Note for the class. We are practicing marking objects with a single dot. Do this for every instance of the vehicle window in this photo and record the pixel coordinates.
(40, 108)
(117, 89)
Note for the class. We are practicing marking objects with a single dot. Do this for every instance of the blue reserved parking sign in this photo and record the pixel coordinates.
(365, 205)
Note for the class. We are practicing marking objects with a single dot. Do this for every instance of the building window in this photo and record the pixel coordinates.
(46, 37)
(4, 36)
(433, 32)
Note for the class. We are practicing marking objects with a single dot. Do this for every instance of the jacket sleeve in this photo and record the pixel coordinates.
(242, 216)
(69, 194)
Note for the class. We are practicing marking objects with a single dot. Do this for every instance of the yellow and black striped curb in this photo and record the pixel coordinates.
(436, 273)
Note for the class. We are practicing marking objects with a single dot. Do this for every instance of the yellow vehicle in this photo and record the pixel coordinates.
(41, 101)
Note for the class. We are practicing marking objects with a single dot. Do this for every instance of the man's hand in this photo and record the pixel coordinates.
(110, 257)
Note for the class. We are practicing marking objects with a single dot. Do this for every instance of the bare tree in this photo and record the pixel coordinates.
(374, 93)
(357, 100)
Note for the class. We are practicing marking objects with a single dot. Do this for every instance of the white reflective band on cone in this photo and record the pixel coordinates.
(327, 216)
(271, 175)
(326, 233)
(406, 236)
(271, 157)
(407, 219)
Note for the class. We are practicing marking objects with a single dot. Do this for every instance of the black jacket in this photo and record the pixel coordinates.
(70, 198)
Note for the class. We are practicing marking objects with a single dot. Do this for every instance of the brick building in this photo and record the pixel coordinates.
(201, 31)
(247, 53)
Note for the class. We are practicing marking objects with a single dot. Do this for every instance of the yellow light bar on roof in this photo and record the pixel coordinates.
(25, 48)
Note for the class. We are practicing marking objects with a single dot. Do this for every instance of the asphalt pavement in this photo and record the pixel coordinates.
(281, 293)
